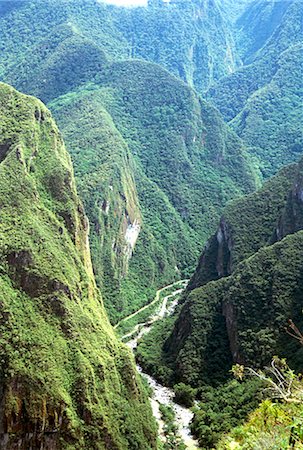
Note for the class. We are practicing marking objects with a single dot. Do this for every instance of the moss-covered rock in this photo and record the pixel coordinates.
(66, 381)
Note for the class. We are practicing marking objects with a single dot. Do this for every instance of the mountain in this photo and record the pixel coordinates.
(190, 39)
(233, 9)
(255, 262)
(57, 64)
(256, 25)
(234, 314)
(173, 114)
(168, 155)
(154, 163)
(66, 381)
(262, 100)
(246, 225)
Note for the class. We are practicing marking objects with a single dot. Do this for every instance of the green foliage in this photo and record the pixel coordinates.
(271, 426)
(272, 114)
(184, 394)
(223, 408)
(189, 39)
(124, 123)
(274, 425)
(172, 440)
(262, 99)
(256, 25)
(150, 352)
(244, 314)
(247, 224)
(61, 366)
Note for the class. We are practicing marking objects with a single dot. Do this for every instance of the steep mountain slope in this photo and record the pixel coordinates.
(178, 154)
(256, 25)
(30, 24)
(66, 382)
(247, 224)
(272, 116)
(234, 9)
(271, 278)
(190, 39)
(57, 64)
(263, 99)
(104, 170)
(254, 304)
(182, 158)
(231, 93)
(242, 317)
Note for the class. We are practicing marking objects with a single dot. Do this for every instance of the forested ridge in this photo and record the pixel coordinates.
(182, 123)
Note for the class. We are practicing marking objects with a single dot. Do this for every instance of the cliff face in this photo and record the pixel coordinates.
(104, 169)
(66, 382)
(291, 219)
(248, 223)
(242, 317)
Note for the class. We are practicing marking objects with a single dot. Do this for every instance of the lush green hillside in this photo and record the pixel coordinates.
(234, 9)
(190, 39)
(178, 152)
(247, 224)
(256, 301)
(263, 283)
(231, 93)
(240, 318)
(66, 381)
(155, 167)
(28, 24)
(57, 64)
(263, 99)
(270, 121)
(162, 140)
(256, 24)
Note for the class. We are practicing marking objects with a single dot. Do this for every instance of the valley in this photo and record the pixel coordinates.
(162, 395)
(151, 225)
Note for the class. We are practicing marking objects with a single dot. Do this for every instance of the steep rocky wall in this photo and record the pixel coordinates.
(66, 382)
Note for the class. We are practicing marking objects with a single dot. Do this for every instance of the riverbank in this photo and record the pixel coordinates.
(162, 395)
(131, 324)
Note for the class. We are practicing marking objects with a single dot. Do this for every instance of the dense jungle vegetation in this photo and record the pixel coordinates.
(178, 154)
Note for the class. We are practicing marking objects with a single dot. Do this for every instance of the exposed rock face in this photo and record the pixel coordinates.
(216, 259)
(65, 380)
(248, 224)
(230, 314)
(291, 219)
(241, 317)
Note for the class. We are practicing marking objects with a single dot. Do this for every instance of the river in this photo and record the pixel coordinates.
(162, 394)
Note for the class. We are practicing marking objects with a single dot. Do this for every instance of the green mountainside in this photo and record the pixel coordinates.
(256, 24)
(172, 115)
(256, 286)
(191, 39)
(66, 381)
(255, 262)
(246, 225)
(174, 164)
(262, 100)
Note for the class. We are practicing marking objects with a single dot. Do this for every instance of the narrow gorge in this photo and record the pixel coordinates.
(151, 225)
